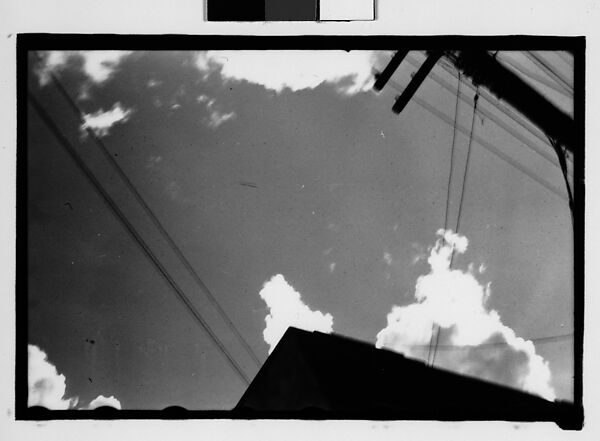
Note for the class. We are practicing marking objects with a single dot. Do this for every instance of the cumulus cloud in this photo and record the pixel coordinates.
(101, 400)
(456, 302)
(46, 386)
(102, 121)
(98, 66)
(286, 309)
(350, 72)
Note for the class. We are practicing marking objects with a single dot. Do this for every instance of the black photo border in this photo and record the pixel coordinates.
(568, 416)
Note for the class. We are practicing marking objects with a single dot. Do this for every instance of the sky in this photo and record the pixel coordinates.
(300, 199)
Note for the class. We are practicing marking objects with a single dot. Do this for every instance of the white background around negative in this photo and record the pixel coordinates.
(346, 9)
(394, 17)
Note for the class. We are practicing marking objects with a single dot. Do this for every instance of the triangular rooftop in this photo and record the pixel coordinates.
(316, 375)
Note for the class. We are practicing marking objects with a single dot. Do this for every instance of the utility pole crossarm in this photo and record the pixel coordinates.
(485, 70)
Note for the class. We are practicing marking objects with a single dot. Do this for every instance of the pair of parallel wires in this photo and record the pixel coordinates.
(561, 163)
(134, 234)
(436, 330)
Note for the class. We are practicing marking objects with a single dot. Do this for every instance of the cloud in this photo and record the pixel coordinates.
(46, 386)
(286, 309)
(456, 302)
(215, 117)
(98, 66)
(101, 400)
(387, 258)
(102, 121)
(350, 72)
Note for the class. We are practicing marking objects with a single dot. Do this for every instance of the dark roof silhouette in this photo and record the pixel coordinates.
(315, 375)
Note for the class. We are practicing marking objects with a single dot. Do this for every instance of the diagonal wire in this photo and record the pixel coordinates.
(460, 205)
(543, 64)
(491, 116)
(503, 108)
(464, 182)
(452, 152)
(534, 76)
(131, 230)
(485, 144)
(79, 113)
(498, 105)
(448, 196)
(538, 340)
(563, 56)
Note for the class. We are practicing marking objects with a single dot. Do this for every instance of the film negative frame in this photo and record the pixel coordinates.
(570, 416)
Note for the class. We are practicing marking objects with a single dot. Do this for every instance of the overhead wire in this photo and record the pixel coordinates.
(150, 213)
(544, 65)
(526, 141)
(448, 194)
(130, 229)
(460, 205)
(493, 149)
(532, 75)
(489, 98)
(452, 152)
(563, 56)
(485, 144)
(464, 182)
(537, 340)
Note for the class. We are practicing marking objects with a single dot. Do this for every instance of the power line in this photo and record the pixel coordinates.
(131, 230)
(539, 78)
(527, 142)
(539, 340)
(485, 144)
(464, 182)
(563, 56)
(534, 130)
(460, 205)
(452, 152)
(543, 64)
(79, 113)
(447, 198)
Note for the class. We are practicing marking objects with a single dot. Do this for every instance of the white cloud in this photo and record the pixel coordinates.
(46, 386)
(456, 302)
(97, 65)
(205, 99)
(350, 72)
(101, 400)
(286, 309)
(215, 117)
(102, 121)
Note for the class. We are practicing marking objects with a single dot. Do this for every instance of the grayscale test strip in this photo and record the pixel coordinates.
(290, 10)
